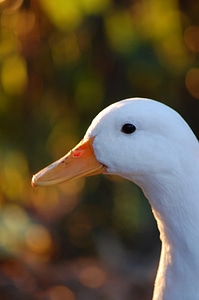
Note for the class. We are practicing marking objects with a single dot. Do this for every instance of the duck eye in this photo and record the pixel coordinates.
(128, 128)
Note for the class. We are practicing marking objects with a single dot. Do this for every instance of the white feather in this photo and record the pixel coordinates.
(162, 157)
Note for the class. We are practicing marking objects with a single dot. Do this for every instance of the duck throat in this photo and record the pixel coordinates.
(178, 271)
(176, 210)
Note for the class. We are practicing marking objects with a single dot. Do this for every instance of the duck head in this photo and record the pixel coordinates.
(133, 138)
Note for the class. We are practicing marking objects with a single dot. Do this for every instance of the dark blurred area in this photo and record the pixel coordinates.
(61, 62)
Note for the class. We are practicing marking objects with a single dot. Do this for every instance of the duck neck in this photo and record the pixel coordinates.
(176, 210)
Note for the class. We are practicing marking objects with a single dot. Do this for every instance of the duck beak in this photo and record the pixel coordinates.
(79, 162)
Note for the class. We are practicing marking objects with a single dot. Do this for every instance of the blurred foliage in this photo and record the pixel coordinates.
(60, 64)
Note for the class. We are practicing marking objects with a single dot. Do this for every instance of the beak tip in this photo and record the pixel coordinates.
(33, 181)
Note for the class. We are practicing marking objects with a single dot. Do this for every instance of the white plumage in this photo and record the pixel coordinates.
(161, 155)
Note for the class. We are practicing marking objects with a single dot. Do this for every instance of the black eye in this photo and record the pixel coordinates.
(128, 128)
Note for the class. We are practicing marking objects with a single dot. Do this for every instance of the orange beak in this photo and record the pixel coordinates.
(79, 162)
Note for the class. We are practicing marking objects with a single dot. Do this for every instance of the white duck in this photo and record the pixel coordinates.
(150, 144)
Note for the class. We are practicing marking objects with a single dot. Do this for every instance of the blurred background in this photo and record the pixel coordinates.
(61, 62)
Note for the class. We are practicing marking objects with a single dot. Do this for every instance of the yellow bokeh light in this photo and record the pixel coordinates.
(14, 218)
(14, 222)
(38, 239)
(66, 14)
(160, 22)
(120, 30)
(95, 6)
(14, 172)
(14, 75)
(69, 14)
